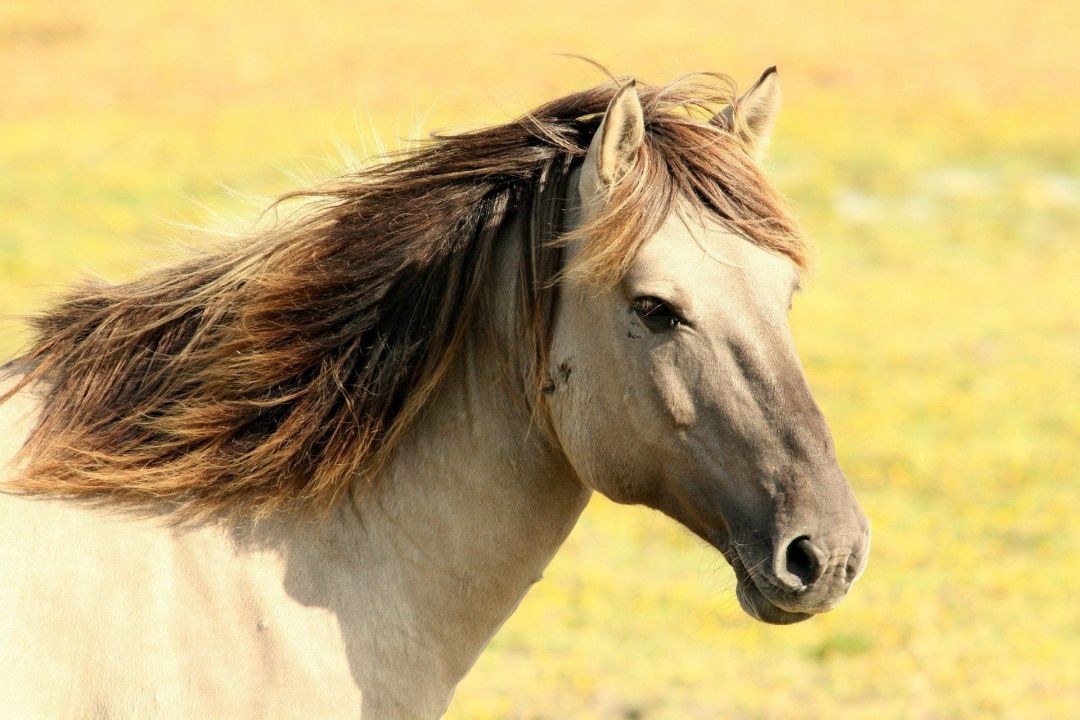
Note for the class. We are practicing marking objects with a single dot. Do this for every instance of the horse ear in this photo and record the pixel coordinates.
(753, 115)
(615, 144)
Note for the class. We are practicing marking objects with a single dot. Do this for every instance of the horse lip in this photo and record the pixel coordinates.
(759, 607)
(752, 600)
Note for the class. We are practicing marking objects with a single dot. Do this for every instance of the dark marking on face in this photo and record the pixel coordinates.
(562, 377)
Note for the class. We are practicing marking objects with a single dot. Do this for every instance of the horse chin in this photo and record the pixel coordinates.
(758, 606)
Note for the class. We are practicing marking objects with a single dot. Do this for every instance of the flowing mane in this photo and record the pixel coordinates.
(281, 370)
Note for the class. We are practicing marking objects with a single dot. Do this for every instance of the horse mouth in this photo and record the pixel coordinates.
(759, 607)
(752, 600)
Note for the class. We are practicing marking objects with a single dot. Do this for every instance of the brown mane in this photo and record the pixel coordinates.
(278, 371)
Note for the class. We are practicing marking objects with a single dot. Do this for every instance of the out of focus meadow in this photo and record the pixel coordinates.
(933, 153)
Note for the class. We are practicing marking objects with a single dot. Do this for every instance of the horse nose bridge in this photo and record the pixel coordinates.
(812, 497)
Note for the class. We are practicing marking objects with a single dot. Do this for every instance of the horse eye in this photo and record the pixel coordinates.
(657, 315)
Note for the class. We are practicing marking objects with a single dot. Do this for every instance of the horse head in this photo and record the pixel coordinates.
(682, 388)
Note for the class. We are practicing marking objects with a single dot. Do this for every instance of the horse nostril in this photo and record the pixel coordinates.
(851, 569)
(802, 560)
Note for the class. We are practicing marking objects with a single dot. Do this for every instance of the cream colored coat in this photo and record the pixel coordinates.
(376, 612)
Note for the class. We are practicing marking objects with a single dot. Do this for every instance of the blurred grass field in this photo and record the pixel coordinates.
(933, 153)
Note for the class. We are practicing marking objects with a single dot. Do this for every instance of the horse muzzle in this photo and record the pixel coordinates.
(800, 576)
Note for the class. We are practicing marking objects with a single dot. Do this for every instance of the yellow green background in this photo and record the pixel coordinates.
(932, 151)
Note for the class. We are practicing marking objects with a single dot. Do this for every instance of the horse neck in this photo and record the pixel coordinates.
(470, 510)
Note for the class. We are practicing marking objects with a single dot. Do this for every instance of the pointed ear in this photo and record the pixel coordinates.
(757, 110)
(615, 144)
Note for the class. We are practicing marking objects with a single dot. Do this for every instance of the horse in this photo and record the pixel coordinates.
(311, 471)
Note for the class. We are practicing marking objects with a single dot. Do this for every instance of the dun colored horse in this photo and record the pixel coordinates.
(309, 474)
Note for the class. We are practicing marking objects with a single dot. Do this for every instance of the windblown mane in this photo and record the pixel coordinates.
(280, 371)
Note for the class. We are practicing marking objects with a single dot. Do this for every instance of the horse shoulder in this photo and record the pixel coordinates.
(103, 614)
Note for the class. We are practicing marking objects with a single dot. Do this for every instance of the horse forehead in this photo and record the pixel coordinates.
(689, 253)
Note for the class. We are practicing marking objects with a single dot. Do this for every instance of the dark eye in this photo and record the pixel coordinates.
(657, 315)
